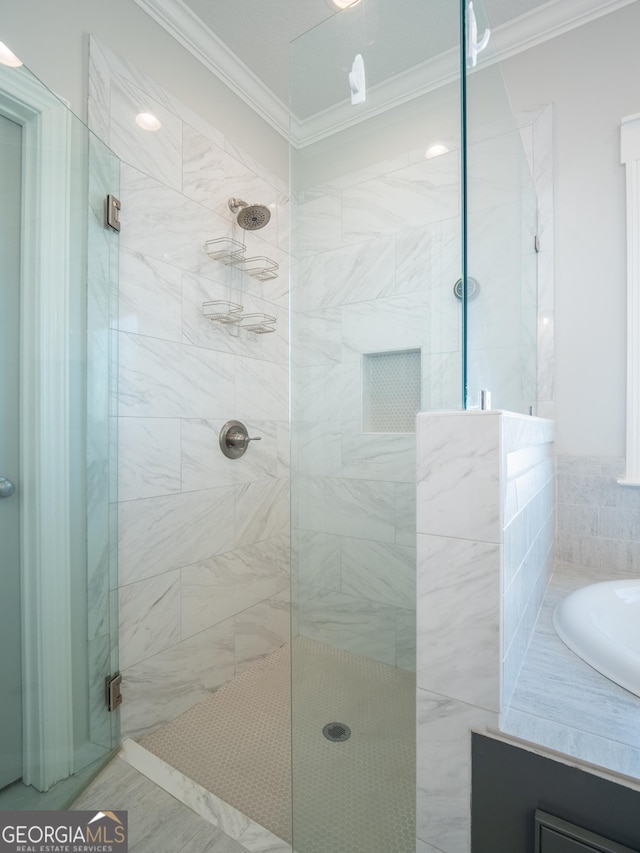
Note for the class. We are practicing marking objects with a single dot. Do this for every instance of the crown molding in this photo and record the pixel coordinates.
(533, 28)
(187, 28)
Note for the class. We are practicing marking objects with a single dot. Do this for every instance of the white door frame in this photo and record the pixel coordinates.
(45, 554)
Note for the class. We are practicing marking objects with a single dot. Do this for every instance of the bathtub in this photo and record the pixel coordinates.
(601, 624)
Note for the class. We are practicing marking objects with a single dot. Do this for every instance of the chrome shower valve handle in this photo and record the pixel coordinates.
(234, 439)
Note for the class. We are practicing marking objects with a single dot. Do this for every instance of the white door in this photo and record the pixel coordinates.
(10, 655)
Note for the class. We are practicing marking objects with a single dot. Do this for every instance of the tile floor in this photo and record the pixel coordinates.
(354, 796)
(158, 823)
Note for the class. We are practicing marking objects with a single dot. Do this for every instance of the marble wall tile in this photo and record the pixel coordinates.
(346, 622)
(316, 558)
(149, 617)
(344, 276)
(163, 686)
(441, 388)
(458, 468)
(260, 630)
(521, 431)
(159, 153)
(415, 195)
(405, 514)
(459, 619)
(165, 379)
(211, 176)
(360, 508)
(316, 448)
(204, 466)
(150, 293)
(406, 639)
(159, 534)
(328, 393)
(428, 320)
(161, 223)
(371, 456)
(379, 571)
(262, 511)
(616, 555)
(318, 226)
(261, 390)
(357, 176)
(619, 523)
(217, 589)
(148, 457)
(317, 336)
(429, 256)
(444, 769)
(577, 520)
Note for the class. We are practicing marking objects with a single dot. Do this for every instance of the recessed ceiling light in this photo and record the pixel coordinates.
(147, 121)
(343, 4)
(8, 57)
(435, 150)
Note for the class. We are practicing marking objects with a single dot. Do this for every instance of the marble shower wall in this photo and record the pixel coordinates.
(378, 254)
(485, 512)
(203, 540)
(598, 520)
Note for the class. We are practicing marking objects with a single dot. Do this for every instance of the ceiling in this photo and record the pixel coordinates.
(259, 31)
(292, 57)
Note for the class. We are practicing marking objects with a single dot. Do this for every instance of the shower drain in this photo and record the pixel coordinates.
(336, 732)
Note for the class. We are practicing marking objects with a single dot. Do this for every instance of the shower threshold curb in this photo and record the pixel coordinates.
(234, 823)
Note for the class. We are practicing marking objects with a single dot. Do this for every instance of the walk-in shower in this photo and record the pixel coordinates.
(269, 647)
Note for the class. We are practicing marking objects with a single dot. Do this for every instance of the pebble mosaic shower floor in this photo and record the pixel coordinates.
(357, 796)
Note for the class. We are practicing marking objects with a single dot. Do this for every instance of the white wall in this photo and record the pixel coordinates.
(52, 40)
(591, 77)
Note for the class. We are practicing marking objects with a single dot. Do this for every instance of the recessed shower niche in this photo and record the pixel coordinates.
(391, 393)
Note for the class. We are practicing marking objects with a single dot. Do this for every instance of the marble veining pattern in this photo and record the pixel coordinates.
(458, 490)
(458, 619)
(149, 617)
(171, 681)
(164, 533)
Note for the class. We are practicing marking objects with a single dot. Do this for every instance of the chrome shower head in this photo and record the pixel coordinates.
(251, 217)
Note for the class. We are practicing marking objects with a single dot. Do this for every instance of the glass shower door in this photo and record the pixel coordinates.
(58, 289)
(501, 245)
(375, 338)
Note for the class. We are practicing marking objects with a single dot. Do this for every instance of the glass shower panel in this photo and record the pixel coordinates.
(70, 259)
(501, 228)
(375, 337)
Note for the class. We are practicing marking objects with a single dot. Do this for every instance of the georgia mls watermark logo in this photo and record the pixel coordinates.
(63, 832)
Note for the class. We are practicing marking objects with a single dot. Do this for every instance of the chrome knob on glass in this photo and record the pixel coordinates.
(7, 488)
(234, 439)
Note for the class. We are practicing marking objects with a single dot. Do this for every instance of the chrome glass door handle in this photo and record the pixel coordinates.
(7, 488)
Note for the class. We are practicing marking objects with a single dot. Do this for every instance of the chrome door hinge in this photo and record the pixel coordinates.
(536, 243)
(112, 218)
(113, 691)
